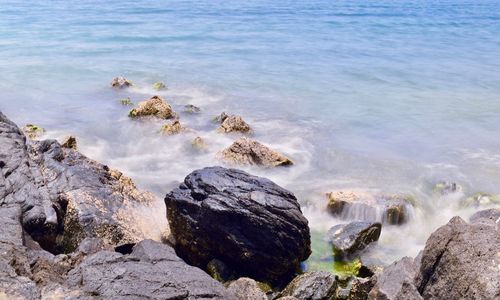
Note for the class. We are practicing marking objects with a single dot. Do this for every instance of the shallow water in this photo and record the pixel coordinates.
(387, 96)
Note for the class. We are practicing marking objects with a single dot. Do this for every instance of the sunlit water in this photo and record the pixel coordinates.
(386, 96)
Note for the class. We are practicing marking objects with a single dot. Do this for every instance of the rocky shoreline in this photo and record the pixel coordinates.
(69, 232)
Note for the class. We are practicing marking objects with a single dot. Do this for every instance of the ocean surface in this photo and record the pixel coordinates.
(380, 96)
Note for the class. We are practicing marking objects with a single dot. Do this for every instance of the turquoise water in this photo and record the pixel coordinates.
(380, 95)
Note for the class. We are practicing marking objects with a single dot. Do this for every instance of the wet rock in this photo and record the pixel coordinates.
(492, 214)
(220, 118)
(481, 200)
(246, 289)
(155, 107)
(461, 261)
(220, 271)
(349, 238)
(198, 143)
(126, 102)
(397, 281)
(159, 86)
(389, 209)
(316, 285)
(173, 128)
(151, 271)
(69, 142)
(446, 188)
(191, 109)
(251, 224)
(33, 131)
(233, 123)
(245, 151)
(120, 82)
(358, 288)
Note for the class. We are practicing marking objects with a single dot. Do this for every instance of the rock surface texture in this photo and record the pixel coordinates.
(154, 107)
(233, 123)
(245, 151)
(249, 223)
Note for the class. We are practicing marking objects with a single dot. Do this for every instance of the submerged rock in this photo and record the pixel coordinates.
(155, 106)
(220, 118)
(198, 143)
(233, 123)
(389, 209)
(347, 239)
(191, 109)
(316, 285)
(481, 200)
(173, 128)
(69, 142)
(126, 102)
(33, 131)
(249, 223)
(120, 82)
(446, 188)
(159, 86)
(246, 289)
(245, 151)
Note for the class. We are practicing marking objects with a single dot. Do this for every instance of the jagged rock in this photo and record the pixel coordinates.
(446, 188)
(358, 288)
(220, 118)
(191, 109)
(316, 285)
(233, 123)
(251, 224)
(389, 209)
(246, 289)
(120, 82)
(151, 271)
(173, 128)
(155, 107)
(492, 214)
(245, 151)
(159, 86)
(33, 131)
(481, 200)
(347, 239)
(461, 261)
(396, 282)
(69, 142)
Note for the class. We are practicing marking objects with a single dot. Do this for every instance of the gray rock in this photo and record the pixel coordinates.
(347, 239)
(396, 282)
(246, 289)
(492, 214)
(249, 223)
(120, 82)
(315, 285)
(461, 261)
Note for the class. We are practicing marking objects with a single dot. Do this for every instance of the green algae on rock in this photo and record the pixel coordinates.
(126, 102)
(480, 199)
(159, 86)
(33, 131)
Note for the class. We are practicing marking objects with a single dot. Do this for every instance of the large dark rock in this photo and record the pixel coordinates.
(251, 224)
(64, 196)
(316, 285)
(348, 238)
(461, 261)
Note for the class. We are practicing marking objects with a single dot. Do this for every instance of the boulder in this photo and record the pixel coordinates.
(33, 131)
(396, 282)
(492, 214)
(461, 261)
(315, 285)
(347, 239)
(245, 151)
(233, 123)
(249, 223)
(363, 206)
(69, 142)
(120, 82)
(173, 128)
(246, 289)
(154, 107)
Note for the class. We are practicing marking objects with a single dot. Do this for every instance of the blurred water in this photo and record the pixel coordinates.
(384, 95)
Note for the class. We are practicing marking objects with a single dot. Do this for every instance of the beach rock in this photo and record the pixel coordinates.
(155, 107)
(461, 261)
(120, 82)
(315, 285)
(446, 187)
(249, 223)
(159, 86)
(246, 289)
(347, 239)
(191, 109)
(492, 214)
(234, 123)
(396, 282)
(481, 200)
(151, 271)
(69, 142)
(33, 131)
(245, 151)
(363, 206)
(173, 128)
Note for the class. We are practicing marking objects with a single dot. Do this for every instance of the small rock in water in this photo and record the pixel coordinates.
(220, 118)
(173, 128)
(347, 239)
(446, 187)
(312, 285)
(69, 142)
(155, 106)
(159, 86)
(234, 123)
(198, 143)
(33, 131)
(126, 101)
(191, 109)
(120, 82)
(245, 151)
(480, 200)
